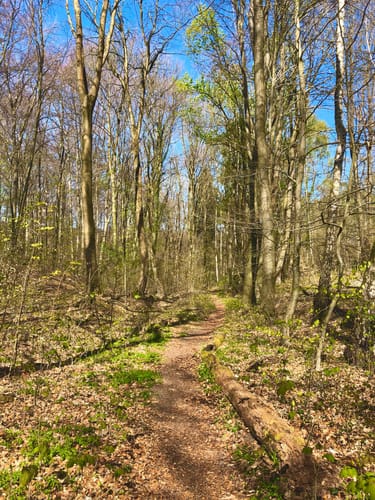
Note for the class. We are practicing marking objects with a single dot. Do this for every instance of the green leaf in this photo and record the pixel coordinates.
(27, 474)
(307, 450)
(370, 488)
(284, 386)
(328, 372)
(330, 458)
(348, 472)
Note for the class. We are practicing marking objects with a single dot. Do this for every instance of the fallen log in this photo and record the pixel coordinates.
(282, 442)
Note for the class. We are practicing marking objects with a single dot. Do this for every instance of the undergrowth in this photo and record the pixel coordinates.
(72, 427)
(333, 407)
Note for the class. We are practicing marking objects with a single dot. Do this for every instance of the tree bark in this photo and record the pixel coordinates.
(267, 295)
(88, 94)
(251, 268)
(300, 161)
(324, 295)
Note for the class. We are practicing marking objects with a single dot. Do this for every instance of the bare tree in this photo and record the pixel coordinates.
(135, 63)
(89, 73)
(324, 295)
(263, 159)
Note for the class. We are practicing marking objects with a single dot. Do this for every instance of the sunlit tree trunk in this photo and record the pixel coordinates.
(323, 297)
(299, 170)
(88, 93)
(267, 295)
(251, 268)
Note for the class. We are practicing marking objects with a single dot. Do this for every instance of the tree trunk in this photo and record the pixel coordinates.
(140, 223)
(267, 295)
(88, 223)
(272, 432)
(324, 295)
(300, 161)
(88, 95)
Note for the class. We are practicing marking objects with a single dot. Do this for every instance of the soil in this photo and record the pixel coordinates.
(185, 451)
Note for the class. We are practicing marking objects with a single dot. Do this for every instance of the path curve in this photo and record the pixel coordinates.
(184, 452)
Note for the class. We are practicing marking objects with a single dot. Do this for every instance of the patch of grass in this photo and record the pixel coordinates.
(247, 454)
(38, 446)
(205, 374)
(124, 376)
(121, 353)
(11, 438)
(186, 316)
(232, 426)
(120, 470)
(140, 357)
(269, 490)
(50, 484)
(207, 379)
(38, 387)
(145, 396)
(62, 339)
(71, 442)
(198, 307)
(9, 480)
(80, 459)
(91, 379)
(81, 435)
(233, 304)
(155, 334)
(204, 305)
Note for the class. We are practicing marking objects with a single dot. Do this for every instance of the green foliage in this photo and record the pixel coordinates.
(11, 438)
(81, 435)
(91, 379)
(269, 490)
(318, 137)
(307, 450)
(51, 483)
(155, 334)
(38, 387)
(329, 372)
(360, 486)
(71, 442)
(120, 470)
(233, 304)
(125, 376)
(247, 454)
(205, 374)
(9, 479)
(38, 446)
(203, 304)
(80, 459)
(186, 316)
(28, 473)
(204, 33)
(206, 377)
(284, 386)
(331, 458)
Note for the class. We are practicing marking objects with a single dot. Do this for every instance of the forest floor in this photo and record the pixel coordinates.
(135, 420)
(96, 408)
(333, 408)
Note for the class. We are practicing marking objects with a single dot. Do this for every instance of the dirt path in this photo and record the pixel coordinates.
(185, 453)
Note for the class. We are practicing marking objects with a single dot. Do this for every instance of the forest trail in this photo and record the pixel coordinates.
(185, 452)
